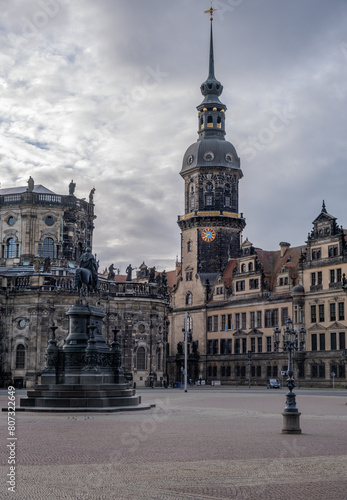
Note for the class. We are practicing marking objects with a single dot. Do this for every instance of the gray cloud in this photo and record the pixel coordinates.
(105, 93)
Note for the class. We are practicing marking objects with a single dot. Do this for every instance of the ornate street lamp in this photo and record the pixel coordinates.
(293, 340)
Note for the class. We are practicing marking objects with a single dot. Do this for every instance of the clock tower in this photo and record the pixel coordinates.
(211, 225)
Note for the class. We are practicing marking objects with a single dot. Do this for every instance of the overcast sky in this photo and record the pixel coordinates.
(105, 93)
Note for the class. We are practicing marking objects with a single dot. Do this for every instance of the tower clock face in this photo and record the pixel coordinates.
(208, 234)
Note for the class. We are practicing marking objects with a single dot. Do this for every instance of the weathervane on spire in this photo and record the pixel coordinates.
(210, 11)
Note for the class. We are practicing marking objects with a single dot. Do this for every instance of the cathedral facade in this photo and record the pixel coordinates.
(43, 236)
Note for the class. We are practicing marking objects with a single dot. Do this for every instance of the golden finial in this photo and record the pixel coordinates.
(210, 11)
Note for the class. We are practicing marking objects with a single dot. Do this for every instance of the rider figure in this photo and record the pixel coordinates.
(88, 262)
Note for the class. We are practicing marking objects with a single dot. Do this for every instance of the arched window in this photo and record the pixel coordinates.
(250, 266)
(48, 248)
(209, 121)
(243, 268)
(141, 358)
(10, 248)
(189, 299)
(20, 356)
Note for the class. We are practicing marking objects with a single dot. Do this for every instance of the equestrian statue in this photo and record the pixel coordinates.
(86, 277)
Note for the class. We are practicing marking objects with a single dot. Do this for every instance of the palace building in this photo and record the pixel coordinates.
(230, 296)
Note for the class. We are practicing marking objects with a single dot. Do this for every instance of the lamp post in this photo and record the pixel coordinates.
(293, 340)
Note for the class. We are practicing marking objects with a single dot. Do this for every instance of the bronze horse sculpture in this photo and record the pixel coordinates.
(83, 280)
(86, 277)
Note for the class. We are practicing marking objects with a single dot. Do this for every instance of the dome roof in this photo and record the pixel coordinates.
(298, 289)
(210, 152)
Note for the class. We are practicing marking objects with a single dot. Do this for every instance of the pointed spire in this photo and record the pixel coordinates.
(211, 85)
(324, 210)
(211, 67)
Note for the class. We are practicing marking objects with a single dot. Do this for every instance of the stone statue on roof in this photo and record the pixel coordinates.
(31, 184)
(72, 187)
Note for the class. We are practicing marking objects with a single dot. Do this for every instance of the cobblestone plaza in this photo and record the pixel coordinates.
(208, 443)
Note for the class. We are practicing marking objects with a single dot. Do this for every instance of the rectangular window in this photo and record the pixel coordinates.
(275, 371)
(341, 306)
(333, 251)
(215, 323)
(321, 313)
(271, 318)
(333, 311)
(260, 344)
(240, 286)
(322, 341)
(222, 371)
(244, 346)
(258, 371)
(228, 371)
(237, 346)
(209, 347)
(319, 278)
(223, 323)
(313, 279)
(214, 371)
(268, 371)
(259, 319)
(284, 315)
(267, 318)
(342, 340)
(333, 343)
(215, 346)
(268, 344)
(338, 275)
(209, 200)
(223, 346)
(209, 324)
(252, 319)
(229, 324)
(332, 275)
(253, 284)
(314, 342)
(237, 321)
(244, 317)
(229, 346)
(253, 344)
(313, 314)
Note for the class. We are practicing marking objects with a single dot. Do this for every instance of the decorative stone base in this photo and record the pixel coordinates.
(291, 423)
(82, 398)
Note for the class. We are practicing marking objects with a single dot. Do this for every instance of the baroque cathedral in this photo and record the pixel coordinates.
(231, 298)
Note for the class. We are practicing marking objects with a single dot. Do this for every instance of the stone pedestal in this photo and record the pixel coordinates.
(84, 374)
(291, 423)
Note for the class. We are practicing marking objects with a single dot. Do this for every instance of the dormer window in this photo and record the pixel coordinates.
(250, 266)
(243, 268)
(316, 253)
(333, 251)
